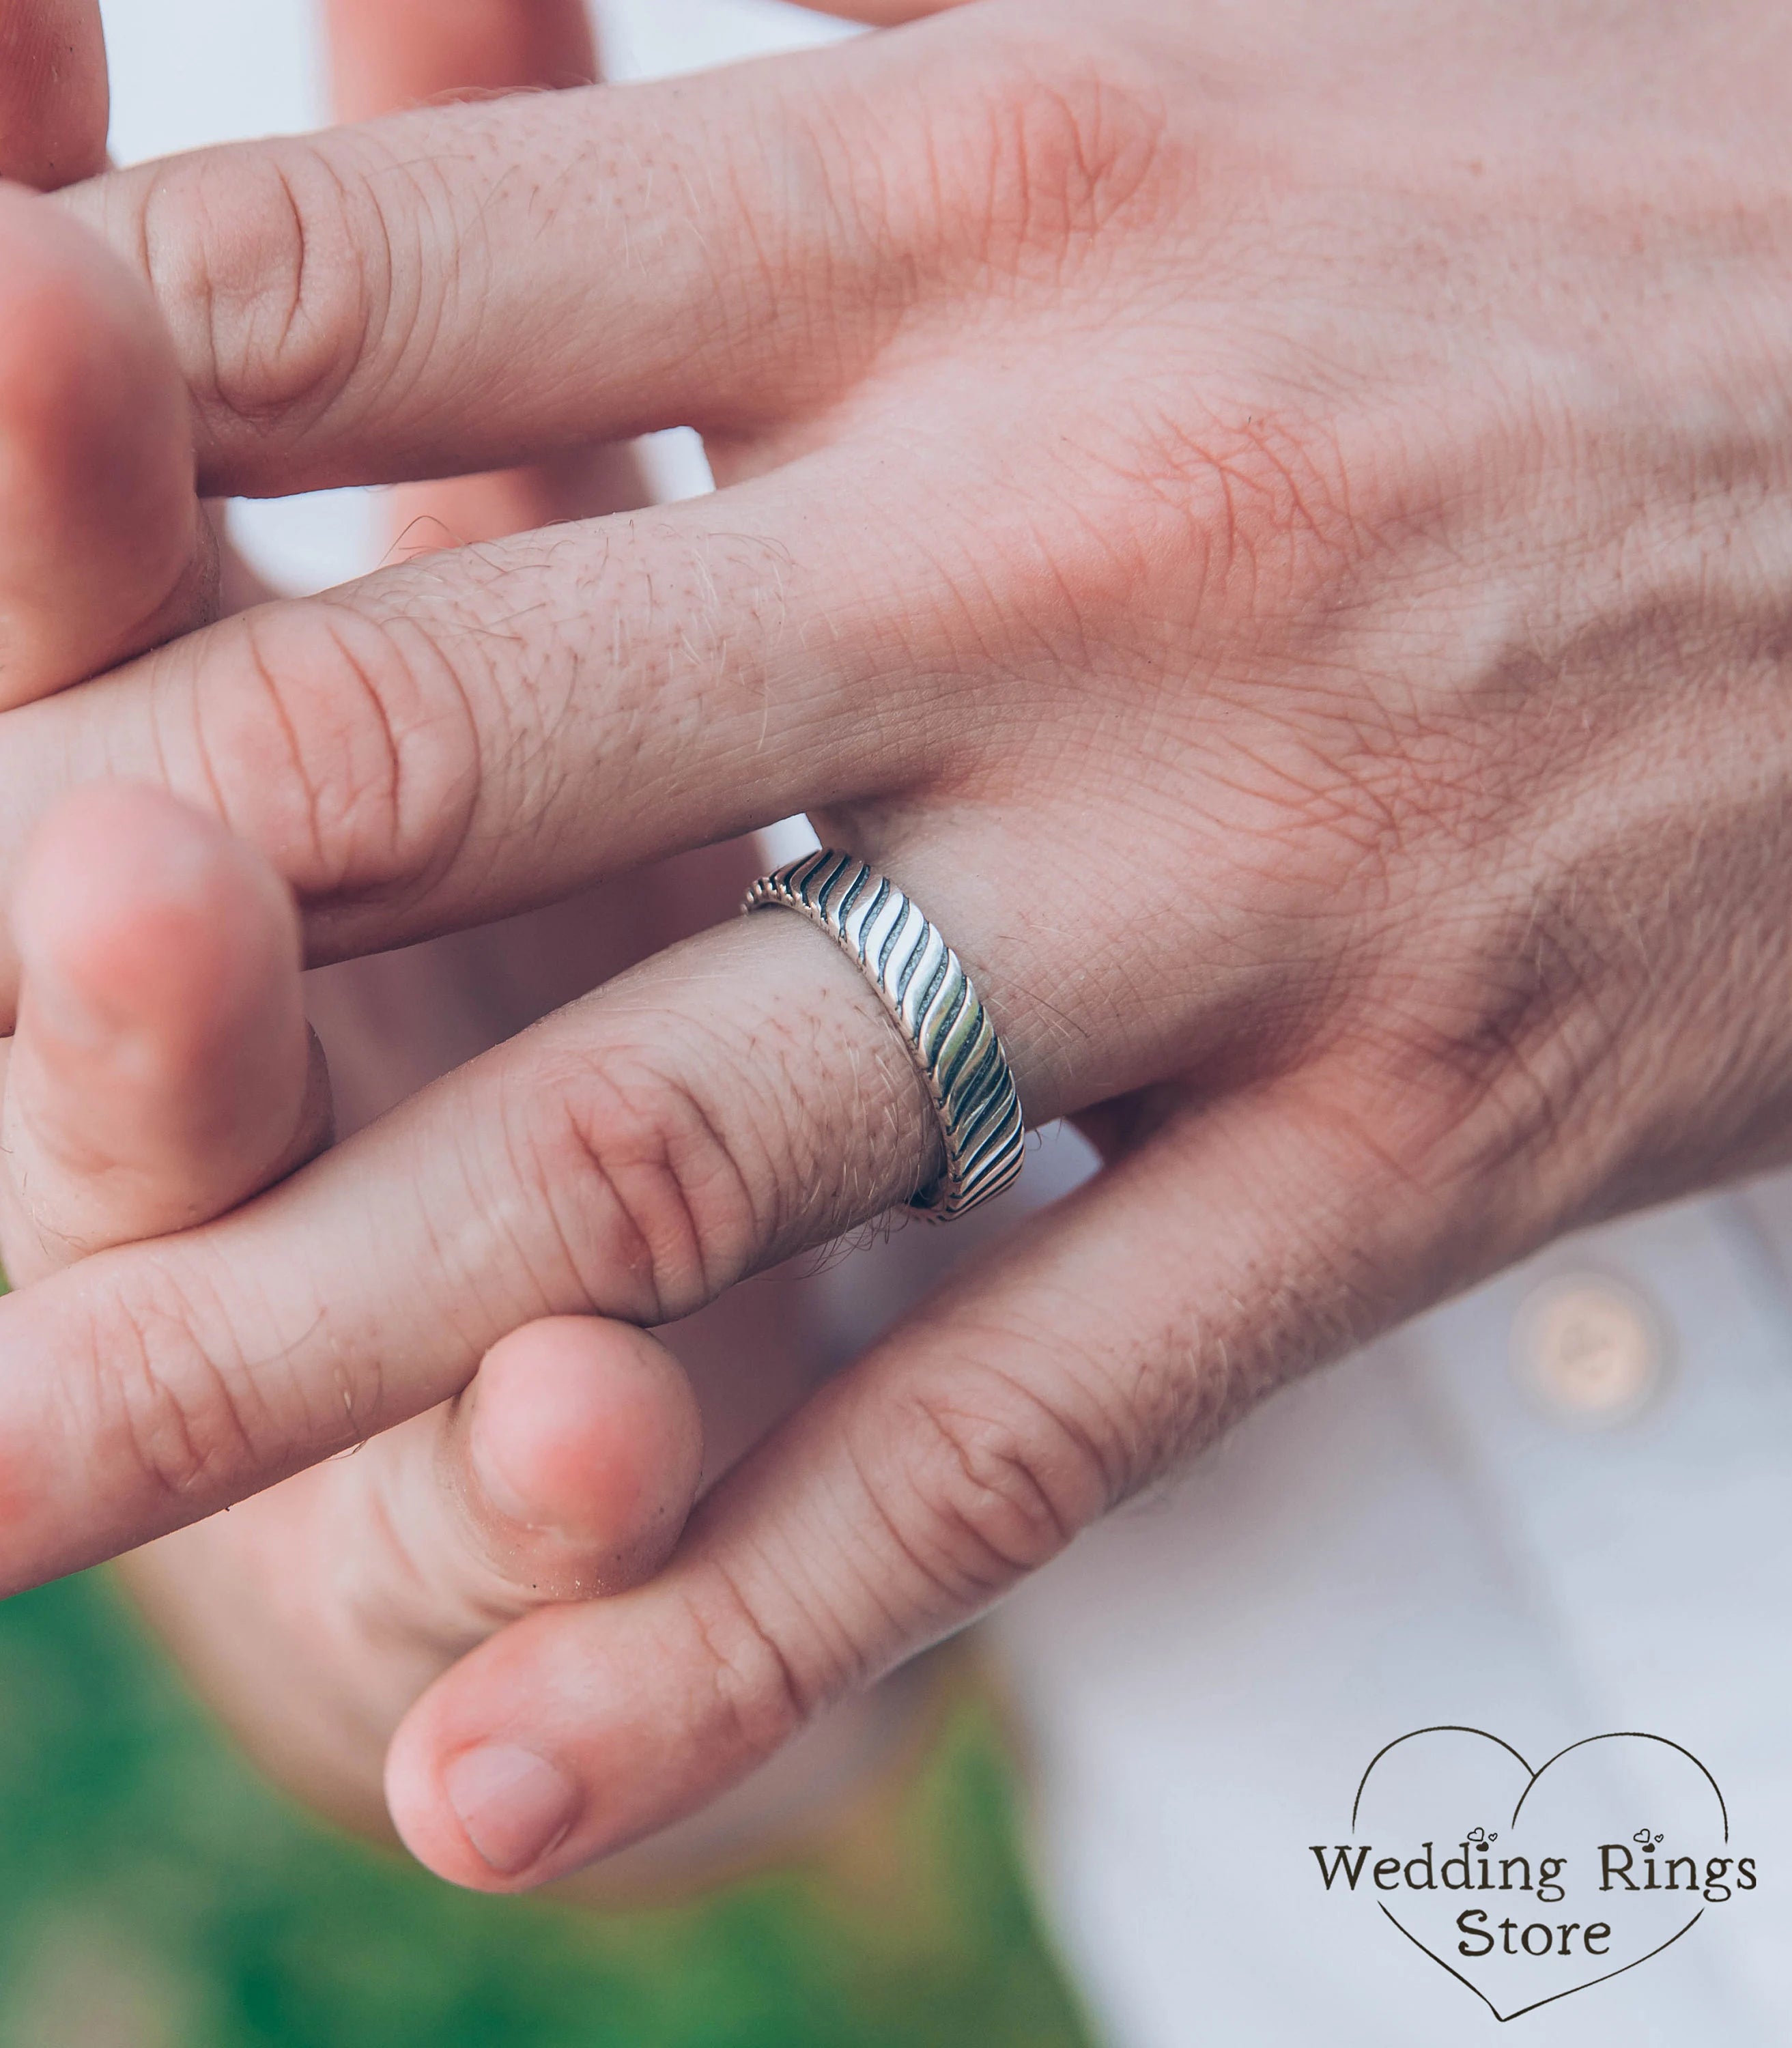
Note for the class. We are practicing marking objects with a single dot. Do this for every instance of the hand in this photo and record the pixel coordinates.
(314, 1614)
(1273, 530)
(161, 1071)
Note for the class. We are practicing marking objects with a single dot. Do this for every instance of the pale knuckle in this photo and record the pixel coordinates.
(344, 746)
(1269, 494)
(259, 257)
(1034, 159)
(157, 1393)
(752, 1693)
(647, 1197)
(1256, 505)
(998, 1481)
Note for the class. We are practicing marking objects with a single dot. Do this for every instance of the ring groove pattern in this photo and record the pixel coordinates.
(923, 985)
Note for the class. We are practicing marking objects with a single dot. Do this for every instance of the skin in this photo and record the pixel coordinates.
(380, 1576)
(162, 1072)
(1276, 528)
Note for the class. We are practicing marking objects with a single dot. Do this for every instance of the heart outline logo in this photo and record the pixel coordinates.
(1532, 1777)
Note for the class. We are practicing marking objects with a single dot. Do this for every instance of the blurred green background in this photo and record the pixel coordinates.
(156, 1895)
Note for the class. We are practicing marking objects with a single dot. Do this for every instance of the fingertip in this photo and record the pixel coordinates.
(132, 908)
(532, 1755)
(584, 1444)
(54, 100)
(586, 1431)
(486, 1775)
(162, 1070)
(103, 549)
(72, 307)
(644, 1707)
(488, 1819)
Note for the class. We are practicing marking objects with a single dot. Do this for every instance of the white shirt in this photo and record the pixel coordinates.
(1447, 1529)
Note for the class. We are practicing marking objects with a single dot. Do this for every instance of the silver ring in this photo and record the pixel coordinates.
(943, 1023)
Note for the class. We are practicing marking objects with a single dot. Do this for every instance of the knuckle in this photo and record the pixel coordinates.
(807, 278)
(258, 258)
(344, 745)
(1478, 1054)
(753, 1695)
(1258, 505)
(157, 1396)
(1268, 496)
(650, 1205)
(997, 1481)
(1034, 160)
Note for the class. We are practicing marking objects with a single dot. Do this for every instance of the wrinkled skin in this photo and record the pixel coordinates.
(1278, 530)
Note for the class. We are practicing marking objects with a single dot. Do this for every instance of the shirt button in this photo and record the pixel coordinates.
(1589, 1351)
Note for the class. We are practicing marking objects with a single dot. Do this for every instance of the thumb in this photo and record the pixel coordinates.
(964, 1451)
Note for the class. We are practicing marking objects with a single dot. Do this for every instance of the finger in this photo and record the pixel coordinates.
(54, 101)
(464, 287)
(734, 1100)
(575, 1458)
(103, 550)
(401, 53)
(162, 1070)
(472, 734)
(565, 1472)
(396, 54)
(964, 1452)
(731, 1102)
(884, 13)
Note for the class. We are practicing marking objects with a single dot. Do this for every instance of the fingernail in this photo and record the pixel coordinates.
(514, 1805)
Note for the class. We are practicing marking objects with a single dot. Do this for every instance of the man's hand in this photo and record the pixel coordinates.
(1274, 529)
(161, 1071)
(148, 1091)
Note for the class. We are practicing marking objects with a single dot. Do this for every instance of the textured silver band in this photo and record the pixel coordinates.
(925, 987)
